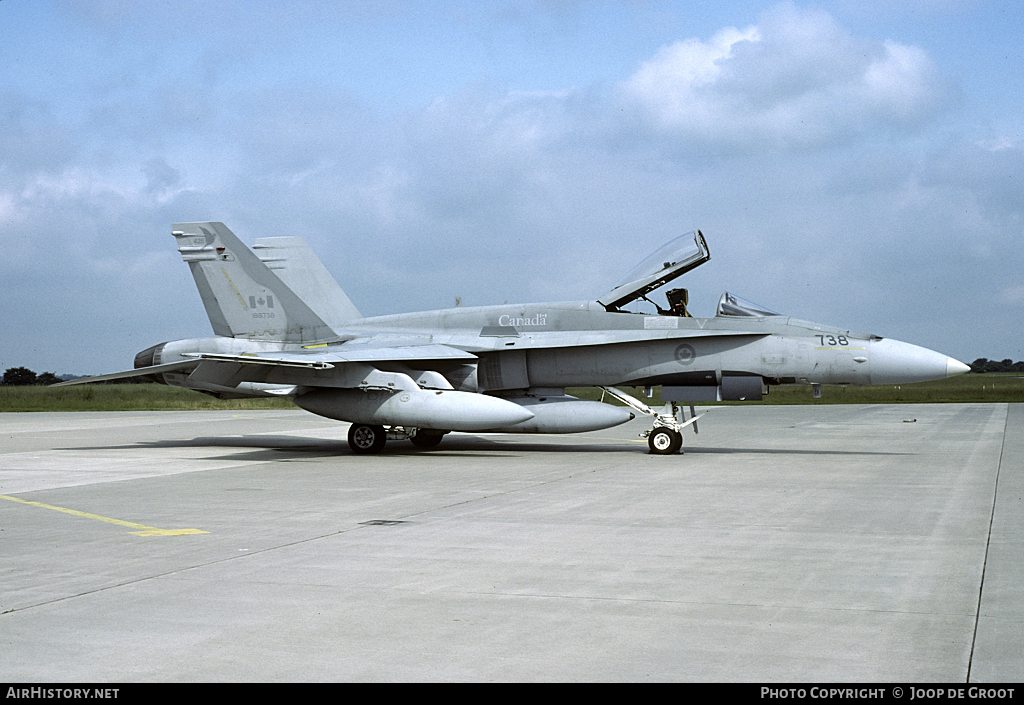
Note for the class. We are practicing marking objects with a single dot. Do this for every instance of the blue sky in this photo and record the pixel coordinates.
(853, 162)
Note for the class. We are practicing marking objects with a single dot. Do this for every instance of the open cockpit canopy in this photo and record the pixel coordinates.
(673, 259)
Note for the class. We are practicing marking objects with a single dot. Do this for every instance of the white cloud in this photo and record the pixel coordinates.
(687, 66)
(899, 81)
(1012, 296)
(796, 78)
(998, 144)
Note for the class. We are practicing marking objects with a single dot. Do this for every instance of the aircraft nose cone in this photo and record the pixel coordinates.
(955, 367)
(896, 362)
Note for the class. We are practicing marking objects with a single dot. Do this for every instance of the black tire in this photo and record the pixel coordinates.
(366, 439)
(426, 440)
(665, 441)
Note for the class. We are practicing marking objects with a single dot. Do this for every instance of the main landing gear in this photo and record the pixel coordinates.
(666, 437)
(369, 439)
(366, 439)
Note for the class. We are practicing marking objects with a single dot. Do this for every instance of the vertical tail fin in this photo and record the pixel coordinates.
(243, 298)
(295, 263)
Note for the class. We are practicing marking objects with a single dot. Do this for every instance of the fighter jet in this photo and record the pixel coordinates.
(283, 327)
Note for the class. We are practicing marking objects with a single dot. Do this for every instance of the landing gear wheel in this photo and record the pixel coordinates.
(665, 441)
(426, 440)
(366, 439)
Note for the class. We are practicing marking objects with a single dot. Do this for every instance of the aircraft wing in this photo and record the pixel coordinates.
(352, 363)
(328, 360)
(371, 352)
(285, 365)
(342, 367)
(141, 372)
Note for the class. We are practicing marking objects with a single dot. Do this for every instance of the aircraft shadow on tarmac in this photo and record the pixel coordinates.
(790, 451)
(269, 447)
(281, 447)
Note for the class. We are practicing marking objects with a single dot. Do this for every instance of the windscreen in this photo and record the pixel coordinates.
(731, 305)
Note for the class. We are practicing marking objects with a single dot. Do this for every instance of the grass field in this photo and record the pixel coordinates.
(963, 389)
(123, 397)
(157, 397)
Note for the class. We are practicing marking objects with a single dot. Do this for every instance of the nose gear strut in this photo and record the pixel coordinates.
(665, 437)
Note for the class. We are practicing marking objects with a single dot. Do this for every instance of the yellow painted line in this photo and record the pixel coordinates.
(145, 530)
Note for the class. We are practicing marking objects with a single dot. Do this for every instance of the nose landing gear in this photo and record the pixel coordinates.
(664, 441)
(666, 437)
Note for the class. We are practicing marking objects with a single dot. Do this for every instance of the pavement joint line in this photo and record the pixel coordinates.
(988, 543)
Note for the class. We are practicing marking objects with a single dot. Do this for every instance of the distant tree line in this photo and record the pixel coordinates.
(24, 377)
(983, 364)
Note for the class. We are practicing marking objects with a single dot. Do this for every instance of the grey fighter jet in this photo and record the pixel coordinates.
(283, 327)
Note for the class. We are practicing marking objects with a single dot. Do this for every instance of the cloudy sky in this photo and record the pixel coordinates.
(854, 162)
